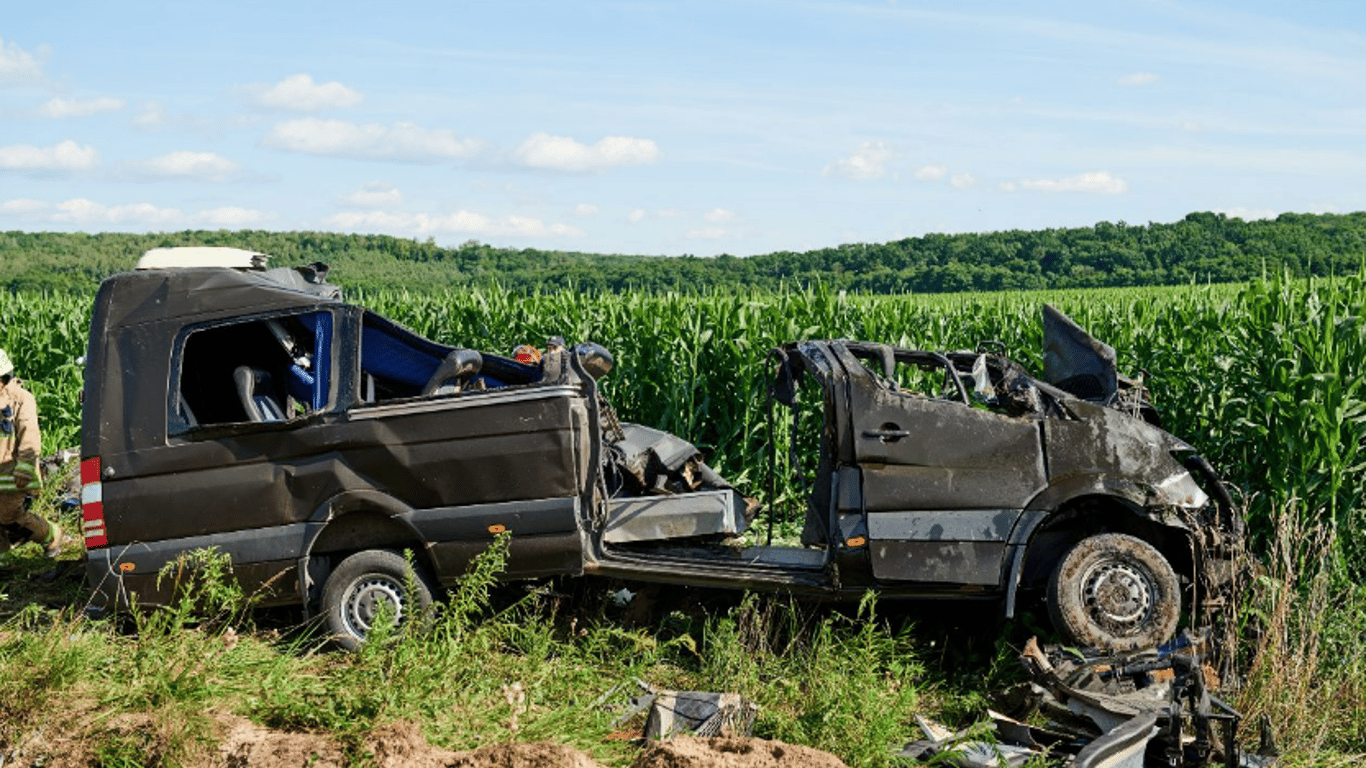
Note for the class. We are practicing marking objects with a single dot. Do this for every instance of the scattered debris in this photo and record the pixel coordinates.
(694, 713)
(1136, 710)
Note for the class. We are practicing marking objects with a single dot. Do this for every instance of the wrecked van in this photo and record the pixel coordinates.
(251, 410)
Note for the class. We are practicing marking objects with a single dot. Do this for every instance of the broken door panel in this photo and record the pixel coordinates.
(943, 482)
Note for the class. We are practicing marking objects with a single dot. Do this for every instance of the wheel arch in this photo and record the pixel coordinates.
(1051, 535)
(352, 522)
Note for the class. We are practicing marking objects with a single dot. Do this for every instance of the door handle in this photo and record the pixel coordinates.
(887, 434)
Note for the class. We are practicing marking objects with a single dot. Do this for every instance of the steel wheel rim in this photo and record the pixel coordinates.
(1119, 595)
(366, 598)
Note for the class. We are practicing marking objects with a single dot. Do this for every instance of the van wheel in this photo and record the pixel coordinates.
(1114, 592)
(367, 585)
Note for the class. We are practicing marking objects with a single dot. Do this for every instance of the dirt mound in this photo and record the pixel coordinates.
(247, 744)
(731, 752)
(402, 745)
(541, 754)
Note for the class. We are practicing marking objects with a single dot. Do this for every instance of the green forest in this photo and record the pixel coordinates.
(1202, 247)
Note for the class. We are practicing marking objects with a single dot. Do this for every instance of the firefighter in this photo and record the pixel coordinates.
(19, 475)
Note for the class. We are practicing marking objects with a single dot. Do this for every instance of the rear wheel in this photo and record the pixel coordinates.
(368, 585)
(1116, 592)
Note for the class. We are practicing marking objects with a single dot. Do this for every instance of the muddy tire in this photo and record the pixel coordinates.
(1115, 592)
(366, 585)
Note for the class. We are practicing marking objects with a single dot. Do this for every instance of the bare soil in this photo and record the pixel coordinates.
(732, 752)
(402, 746)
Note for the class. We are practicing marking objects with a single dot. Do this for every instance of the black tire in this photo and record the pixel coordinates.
(362, 584)
(1114, 592)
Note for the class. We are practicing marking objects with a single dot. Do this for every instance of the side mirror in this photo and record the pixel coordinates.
(594, 358)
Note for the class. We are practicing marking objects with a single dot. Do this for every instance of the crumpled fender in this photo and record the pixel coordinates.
(1152, 502)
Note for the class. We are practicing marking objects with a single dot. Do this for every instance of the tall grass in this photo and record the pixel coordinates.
(1304, 664)
(158, 696)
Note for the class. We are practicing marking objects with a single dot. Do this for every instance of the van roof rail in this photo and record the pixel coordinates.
(202, 256)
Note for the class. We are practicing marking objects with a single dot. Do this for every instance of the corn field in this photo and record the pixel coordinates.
(1264, 378)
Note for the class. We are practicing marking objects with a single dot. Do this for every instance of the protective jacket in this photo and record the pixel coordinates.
(20, 441)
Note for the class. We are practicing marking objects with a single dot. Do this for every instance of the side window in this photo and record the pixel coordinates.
(913, 373)
(258, 370)
(394, 362)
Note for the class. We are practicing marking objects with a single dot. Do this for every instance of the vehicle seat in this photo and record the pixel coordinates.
(454, 373)
(253, 388)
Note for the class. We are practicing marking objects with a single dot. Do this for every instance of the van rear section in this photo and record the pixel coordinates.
(254, 413)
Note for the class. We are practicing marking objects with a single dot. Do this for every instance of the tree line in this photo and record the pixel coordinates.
(1202, 247)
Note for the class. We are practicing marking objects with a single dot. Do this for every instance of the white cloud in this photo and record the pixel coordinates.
(231, 217)
(151, 115)
(23, 207)
(298, 93)
(1139, 78)
(705, 233)
(85, 212)
(1248, 214)
(930, 173)
(868, 162)
(636, 216)
(460, 222)
(585, 209)
(17, 66)
(1098, 182)
(400, 141)
(719, 215)
(184, 164)
(1007, 186)
(373, 194)
(962, 181)
(66, 156)
(561, 153)
(59, 108)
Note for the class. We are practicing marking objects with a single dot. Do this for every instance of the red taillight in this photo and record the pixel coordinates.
(92, 504)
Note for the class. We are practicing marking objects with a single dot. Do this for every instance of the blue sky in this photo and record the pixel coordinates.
(669, 128)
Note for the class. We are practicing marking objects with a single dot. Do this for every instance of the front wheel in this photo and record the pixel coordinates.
(1114, 592)
(366, 586)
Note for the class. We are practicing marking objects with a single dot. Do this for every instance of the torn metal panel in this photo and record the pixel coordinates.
(655, 518)
(1123, 746)
(964, 749)
(1075, 361)
(645, 460)
(1035, 737)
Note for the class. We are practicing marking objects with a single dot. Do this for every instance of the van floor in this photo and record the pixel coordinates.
(784, 557)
